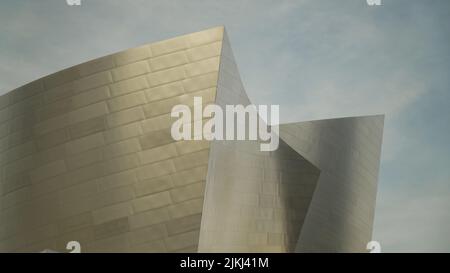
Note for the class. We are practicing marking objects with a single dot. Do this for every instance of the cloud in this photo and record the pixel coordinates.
(316, 58)
(414, 221)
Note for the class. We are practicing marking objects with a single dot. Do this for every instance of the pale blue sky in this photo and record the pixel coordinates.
(316, 58)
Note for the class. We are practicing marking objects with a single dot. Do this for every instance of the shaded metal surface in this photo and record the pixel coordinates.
(347, 152)
(255, 201)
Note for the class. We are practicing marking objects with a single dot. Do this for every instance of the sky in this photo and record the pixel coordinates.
(315, 58)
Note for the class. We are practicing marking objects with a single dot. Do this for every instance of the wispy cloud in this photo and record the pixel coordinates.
(316, 58)
(415, 220)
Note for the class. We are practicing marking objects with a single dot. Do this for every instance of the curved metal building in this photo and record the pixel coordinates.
(86, 155)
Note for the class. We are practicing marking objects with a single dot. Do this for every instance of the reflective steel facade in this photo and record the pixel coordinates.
(86, 154)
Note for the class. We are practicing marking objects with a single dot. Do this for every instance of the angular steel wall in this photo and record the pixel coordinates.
(255, 201)
(86, 154)
(316, 193)
(347, 152)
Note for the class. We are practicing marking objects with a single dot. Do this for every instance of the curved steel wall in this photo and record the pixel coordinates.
(254, 201)
(86, 153)
(347, 152)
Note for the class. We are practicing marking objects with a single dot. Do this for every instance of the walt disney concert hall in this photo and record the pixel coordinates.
(86, 155)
